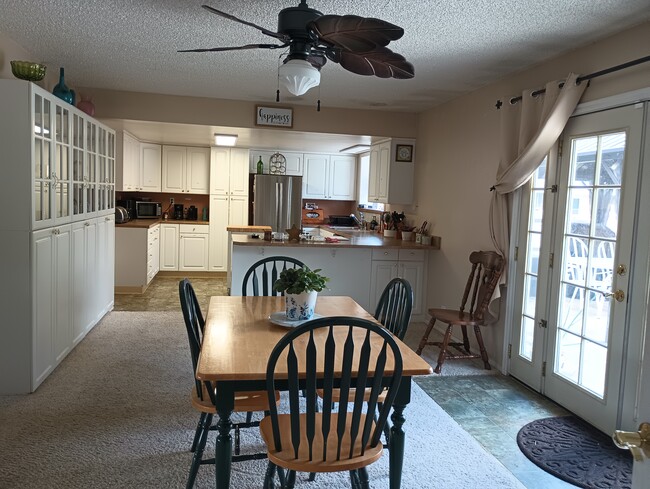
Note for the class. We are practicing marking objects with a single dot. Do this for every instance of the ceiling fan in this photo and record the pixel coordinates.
(358, 44)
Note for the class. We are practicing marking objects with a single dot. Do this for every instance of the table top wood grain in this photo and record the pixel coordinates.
(239, 336)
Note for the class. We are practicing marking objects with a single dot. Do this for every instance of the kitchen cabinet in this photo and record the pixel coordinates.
(137, 258)
(390, 181)
(293, 163)
(169, 246)
(329, 177)
(193, 247)
(140, 168)
(60, 178)
(185, 169)
(52, 333)
(388, 264)
(228, 201)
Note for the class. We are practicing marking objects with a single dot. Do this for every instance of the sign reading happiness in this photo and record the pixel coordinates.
(273, 116)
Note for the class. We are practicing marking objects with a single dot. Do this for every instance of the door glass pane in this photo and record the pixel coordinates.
(535, 216)
(38, 158)
(589, 248)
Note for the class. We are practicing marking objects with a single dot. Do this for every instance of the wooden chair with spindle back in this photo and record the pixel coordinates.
(261, 275)
(487, 267)
(346, 353)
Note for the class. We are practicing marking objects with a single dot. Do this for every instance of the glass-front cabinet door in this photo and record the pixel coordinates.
(90, 170)
(78, 173)
(105, 170)
(43, 148)
(61, 172)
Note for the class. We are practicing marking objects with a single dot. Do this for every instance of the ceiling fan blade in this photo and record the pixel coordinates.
(228, 16)
(234, 48)
(354, 33)
(317, 60)
(381, 62)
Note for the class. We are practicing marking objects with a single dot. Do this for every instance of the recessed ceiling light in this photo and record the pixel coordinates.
(225, 139)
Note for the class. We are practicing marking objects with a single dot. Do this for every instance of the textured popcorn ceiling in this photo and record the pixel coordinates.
(455, 45)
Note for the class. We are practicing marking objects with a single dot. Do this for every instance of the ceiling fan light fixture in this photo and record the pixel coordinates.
(298, 76)
(225, 139)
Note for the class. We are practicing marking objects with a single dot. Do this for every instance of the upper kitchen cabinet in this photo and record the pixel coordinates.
(140, 165)
(293, 161)
(185, 170)
(329, 177)
(391, 174)
(229, 171)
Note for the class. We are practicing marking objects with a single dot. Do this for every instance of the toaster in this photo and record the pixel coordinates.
(121, 215)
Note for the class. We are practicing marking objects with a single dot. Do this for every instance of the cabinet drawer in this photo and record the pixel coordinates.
(411, 255)
(194, 228)
(385, 254)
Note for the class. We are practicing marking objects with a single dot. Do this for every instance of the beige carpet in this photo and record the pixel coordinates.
(116, 414)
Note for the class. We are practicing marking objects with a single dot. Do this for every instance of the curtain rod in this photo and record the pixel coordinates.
(596, 74)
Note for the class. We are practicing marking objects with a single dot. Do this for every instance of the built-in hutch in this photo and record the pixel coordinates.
(58, 192)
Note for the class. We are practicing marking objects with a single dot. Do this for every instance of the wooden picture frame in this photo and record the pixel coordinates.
(274, 116)
(404, 152)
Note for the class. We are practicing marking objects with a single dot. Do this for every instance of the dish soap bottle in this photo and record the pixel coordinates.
(260, 166)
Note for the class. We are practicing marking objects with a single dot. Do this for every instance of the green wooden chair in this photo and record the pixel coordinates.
(260, 277)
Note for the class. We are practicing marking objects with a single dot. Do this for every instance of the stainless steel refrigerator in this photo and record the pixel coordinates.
(277, 201)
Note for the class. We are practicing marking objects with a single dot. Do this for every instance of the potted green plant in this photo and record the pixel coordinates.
(300, 287)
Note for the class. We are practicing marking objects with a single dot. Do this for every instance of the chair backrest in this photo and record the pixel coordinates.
(261, 275)
(335, 352)
(394, 307)
(194, 323)
(487, 267)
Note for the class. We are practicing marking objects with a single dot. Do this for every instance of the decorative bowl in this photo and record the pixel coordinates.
(26, 70)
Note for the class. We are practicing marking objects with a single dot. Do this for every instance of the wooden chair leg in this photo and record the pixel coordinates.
(269, 482)
(484, 355)
(363, 477)
(465, 338)
(199, 430)
(198, 453)
(425, 337)
(443, 350)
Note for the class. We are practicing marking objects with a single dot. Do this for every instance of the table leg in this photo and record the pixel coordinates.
(397, 436)
(223, 448)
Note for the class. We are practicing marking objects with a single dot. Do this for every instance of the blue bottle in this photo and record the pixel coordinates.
(62, 91)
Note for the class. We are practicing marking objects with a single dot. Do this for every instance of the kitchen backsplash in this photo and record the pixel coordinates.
(197, 200)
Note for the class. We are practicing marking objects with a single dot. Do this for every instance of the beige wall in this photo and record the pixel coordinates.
(458, 155)
(10, 50)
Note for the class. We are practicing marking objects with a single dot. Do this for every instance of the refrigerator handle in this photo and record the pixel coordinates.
(279, 211)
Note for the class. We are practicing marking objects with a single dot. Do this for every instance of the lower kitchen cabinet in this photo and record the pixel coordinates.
(137, 258)
(225, 210)
(184, 247)
(388, 264)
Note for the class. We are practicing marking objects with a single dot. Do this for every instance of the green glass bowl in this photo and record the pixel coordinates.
(26, 70)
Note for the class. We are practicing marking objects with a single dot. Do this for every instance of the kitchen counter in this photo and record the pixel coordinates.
(248, 229)
(356, 239)
(147, 223)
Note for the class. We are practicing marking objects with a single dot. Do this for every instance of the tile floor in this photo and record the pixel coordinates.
(492, 408)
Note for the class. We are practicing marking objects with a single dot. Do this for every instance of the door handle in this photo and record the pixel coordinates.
(619, 295)
(637, 442)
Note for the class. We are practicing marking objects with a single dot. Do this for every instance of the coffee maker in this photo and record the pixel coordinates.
(178, 211)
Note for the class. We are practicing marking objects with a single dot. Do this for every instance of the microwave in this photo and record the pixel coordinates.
(148, 210)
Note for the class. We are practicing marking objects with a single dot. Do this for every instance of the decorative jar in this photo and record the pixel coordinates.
(300, 307)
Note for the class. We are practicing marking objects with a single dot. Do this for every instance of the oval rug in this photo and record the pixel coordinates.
(576, 452)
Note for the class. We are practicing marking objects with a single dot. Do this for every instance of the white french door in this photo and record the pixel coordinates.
(574, 256)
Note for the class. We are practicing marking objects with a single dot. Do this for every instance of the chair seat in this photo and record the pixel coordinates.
(336, 395)
(454, 316)
(246, 401)
(286, 457)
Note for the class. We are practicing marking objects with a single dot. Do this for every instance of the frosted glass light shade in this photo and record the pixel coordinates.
(225, 139)
(298, 76)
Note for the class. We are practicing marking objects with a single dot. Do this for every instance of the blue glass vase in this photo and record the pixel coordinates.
(62, 91)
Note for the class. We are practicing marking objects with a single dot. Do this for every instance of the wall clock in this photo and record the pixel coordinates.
(404, 152)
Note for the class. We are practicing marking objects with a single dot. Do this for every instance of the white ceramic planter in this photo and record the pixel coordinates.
(300, 307)
(390, 233)
(408, 235)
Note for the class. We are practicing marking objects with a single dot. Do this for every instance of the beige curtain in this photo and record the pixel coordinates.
(529, 131)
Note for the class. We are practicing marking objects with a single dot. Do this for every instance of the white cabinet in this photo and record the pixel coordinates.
(60, 175)
(52, 333)
(140, 165)
(228, 201)
(408, 264)
(105, 265)
(329, 177)
(193, 247)
(185, 169)
(169, 246)
(137, 260)
(390, 180)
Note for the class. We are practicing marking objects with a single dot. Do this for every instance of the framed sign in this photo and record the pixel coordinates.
(273, 116)
(404, 152)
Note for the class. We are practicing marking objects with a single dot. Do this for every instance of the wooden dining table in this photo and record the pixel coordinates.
(237, 342)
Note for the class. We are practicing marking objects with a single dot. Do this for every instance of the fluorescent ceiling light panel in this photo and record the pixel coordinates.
(355, 149)
(225, 139)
